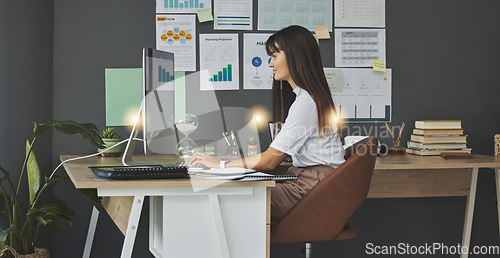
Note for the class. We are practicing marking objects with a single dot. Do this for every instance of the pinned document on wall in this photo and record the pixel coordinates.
(278, 14)
(205, 15)
(233, 15)
(361, 95)
(177, 34)
(358, 47)
(123, 95)
(359, 13)
(256, 72)
(182, 6)
(220, 57)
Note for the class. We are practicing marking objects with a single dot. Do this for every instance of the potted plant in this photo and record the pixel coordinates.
(42, 209)
(111, 137)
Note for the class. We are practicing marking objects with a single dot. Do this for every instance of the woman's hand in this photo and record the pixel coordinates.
(205, 160)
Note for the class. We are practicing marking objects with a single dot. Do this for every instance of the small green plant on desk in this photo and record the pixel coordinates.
(111, 137)
(42, 209)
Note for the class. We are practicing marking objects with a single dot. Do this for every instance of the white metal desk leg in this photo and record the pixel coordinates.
(133, 223)
(497, 177)
(90, 233)
(219, 226)
(469, 212)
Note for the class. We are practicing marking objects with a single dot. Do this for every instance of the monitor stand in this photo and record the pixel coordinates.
(129, 150)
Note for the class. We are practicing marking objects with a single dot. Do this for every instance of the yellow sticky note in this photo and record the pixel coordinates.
(322, 32)
(205, 15)
(378, 65)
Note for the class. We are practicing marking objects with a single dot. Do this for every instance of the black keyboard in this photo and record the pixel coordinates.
(141, 172)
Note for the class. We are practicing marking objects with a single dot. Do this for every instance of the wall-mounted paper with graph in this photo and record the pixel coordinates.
(361, 95)
(357, 47)
(181, 6)
(219, 56)
(233, 15)
(177, 34)
(278, 14)
(359, 13)
(256, 72)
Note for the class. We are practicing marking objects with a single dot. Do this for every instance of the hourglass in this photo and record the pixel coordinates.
(186, 124)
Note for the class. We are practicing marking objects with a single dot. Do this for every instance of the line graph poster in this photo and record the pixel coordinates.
(256, 73)
(361, 95)
(219, 56)
(177, 34)
(181, 6)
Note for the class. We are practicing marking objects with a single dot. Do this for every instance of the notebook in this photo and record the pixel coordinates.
(141, 172)
(222, 171)
(255, 177)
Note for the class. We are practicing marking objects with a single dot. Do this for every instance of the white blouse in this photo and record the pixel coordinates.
(299, 136)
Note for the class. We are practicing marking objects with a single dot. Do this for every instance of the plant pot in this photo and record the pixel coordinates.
(113, 152)
(39, 253)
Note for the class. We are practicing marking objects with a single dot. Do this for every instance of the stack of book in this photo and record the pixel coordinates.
(433, 137)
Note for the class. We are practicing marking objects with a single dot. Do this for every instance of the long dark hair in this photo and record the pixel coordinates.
(306, 69)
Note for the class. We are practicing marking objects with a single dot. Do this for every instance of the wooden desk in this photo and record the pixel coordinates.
(213, 214)
(394, 177)
(414, 176)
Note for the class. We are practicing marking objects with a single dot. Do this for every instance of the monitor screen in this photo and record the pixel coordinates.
(159, 102)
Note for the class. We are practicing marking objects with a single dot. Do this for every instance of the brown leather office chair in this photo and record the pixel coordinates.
(324, 213)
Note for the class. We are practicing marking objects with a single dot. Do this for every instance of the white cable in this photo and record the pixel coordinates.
(91, 155)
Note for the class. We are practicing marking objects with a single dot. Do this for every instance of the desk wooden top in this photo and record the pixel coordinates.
(409, 161)
(82, 176)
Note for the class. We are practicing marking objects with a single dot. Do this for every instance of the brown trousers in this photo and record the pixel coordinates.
(285, 194)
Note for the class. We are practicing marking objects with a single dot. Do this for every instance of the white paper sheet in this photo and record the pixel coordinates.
(359, 13)
(177, 34)
(219, 56)
(256, 72)
(361, 95)
(277, 14)
(357, 47)
(181, 6)
(233, 14)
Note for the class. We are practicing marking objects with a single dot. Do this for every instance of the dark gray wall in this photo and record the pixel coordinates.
(25, 83)
(444, 59)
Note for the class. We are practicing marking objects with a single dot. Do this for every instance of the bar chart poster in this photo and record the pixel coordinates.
(361, 95)
(181, 6)
(177, 34)
(219, 56)
(256, 72)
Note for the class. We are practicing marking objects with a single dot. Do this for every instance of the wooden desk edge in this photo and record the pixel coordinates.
(88, 180)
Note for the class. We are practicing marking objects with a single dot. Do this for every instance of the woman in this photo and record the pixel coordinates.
(300, 95)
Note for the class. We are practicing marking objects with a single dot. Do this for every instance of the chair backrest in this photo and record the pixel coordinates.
(324, 211)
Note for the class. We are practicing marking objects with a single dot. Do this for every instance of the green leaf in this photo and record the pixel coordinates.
(52, 210)
(3, 235)
(55, 179)
(3, 208)
(33, 170)
(96, 200)
(40, 218)
(52, 205)
(88, 131)
(55, 226)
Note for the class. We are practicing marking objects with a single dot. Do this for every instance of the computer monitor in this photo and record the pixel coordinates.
(156, 115)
